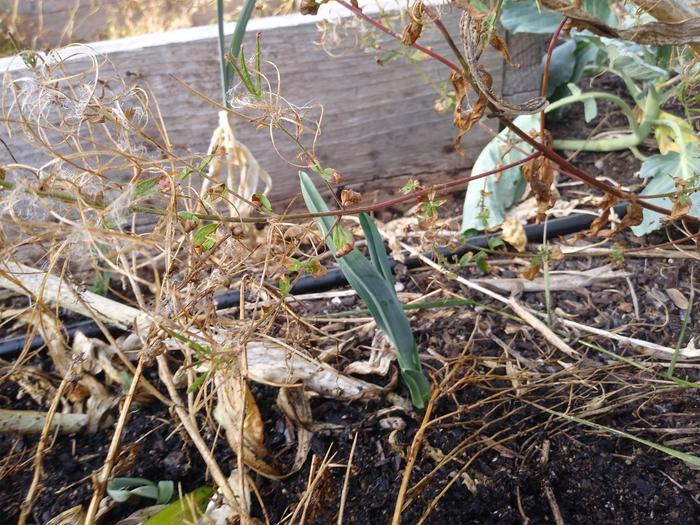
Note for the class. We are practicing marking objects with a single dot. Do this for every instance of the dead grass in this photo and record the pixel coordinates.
(114, 209)
(52, 23)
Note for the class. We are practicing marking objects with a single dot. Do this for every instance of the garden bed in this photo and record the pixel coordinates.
(562, 372)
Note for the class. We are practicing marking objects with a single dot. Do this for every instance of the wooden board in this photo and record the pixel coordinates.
(379, 122)
(48, 24)
(523, 83)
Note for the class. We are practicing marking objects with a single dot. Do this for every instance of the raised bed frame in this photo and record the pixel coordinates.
(379, 125)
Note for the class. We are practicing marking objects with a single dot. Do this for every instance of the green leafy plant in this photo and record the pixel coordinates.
(487, 200)
(651, 78)
(121, 489)
(228, 60)
(374, 283)
(184, 510)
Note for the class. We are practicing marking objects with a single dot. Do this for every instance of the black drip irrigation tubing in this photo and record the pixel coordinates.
(332, 279)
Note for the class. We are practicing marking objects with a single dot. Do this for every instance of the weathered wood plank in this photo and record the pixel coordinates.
(52, 23)
(523, 83)
(379, 121)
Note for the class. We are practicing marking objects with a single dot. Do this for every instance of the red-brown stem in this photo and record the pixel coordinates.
(432, 54)
(548, 152)
(437, 188)
(545, 73)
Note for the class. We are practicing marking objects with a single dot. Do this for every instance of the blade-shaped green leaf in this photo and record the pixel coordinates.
(185, 510)
(527, 16)
(379, 297)
(236, 41)
(377, 252)
(121, 489)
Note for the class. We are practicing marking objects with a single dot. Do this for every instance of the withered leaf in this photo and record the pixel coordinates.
(296, 407)
(668, 32)
(316, 268)
(348, 197)
(464, 122)
(681, 202)
(514, 233)
(414, 29)
(236, 408)
(608, 202)
(539, 173)
(532, 272)
(633, 216)
(500, 45)
(555, 253)
(335, 178)
(216, 192)
(412, 33)
(343, 241)
(309, 7)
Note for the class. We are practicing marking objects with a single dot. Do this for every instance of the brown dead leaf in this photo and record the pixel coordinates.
(215, 193)
(414, 29)
(344, 250)
(316, 268)
(464, 122)
(608, 201)
(633, 216)
(681, 202)
(310, 7)
(532, 272)
(348, 197)
(514, 233)
(411, 33)
(555, 253)
(235, 406)
(500, 45)
(680, 300)
(335, 178)
(539, 173)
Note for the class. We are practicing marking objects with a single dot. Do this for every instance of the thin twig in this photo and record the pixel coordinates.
(40, 450)
(346, 481)
(104, 475)
(411, 461)
(538, 325)
(192, 430)
(545, 73)
(556, 512)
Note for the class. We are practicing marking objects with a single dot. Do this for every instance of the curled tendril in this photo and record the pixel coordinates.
(470, 36)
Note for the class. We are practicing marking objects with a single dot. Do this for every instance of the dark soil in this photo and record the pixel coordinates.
(513, 462)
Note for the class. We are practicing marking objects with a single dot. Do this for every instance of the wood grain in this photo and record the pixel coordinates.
(523, 82)
(379, 121)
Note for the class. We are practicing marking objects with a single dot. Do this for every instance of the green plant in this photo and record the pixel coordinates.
(487, 200)
(652, 75)
(184, 510)
(121, 489)
(373, 282)
(227, 62)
